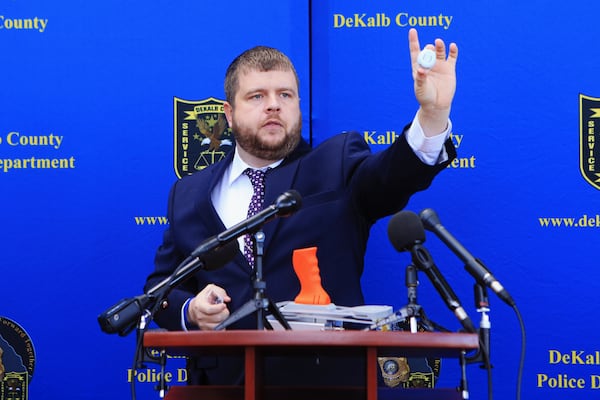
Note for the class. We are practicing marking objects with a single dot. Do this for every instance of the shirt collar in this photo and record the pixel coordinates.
(238, 166)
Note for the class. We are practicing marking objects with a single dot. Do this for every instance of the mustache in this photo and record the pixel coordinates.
(273, 121)
(249, 139)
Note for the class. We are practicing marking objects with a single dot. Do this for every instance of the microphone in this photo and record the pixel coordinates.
(406, 233)
(208, 261)
(285, 205)
(121, 317)
(475, 267)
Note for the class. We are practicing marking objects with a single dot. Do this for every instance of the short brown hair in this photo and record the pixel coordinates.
(259, 58)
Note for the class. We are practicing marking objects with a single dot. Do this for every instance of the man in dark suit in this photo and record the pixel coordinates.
(344, 188)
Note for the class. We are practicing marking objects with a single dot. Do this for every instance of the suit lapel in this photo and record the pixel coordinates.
(279, 180)
(205, 210)
(203, 203)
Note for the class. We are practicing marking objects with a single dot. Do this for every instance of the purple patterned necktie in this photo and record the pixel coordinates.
(257, 178)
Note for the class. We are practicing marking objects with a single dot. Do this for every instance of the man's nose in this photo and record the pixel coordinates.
(273, 103)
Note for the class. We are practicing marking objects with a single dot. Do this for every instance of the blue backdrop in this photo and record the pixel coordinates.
(90, 88)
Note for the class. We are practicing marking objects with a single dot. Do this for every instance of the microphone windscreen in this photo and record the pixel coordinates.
(288, 203)
(405, 229)
(220, 256)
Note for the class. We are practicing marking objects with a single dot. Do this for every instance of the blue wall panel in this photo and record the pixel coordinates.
(521, 70)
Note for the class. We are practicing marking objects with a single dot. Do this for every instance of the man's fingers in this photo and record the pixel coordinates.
(440, 49)
(453, 55)
(413, 45)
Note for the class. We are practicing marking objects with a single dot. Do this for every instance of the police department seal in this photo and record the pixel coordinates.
(17, 360)
(201, 134)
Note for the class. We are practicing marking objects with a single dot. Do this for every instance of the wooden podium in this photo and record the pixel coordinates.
(253, 345)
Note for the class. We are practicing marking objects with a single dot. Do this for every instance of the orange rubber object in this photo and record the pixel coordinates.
(306, 266)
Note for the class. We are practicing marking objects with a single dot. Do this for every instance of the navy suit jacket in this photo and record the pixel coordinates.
(344, 187)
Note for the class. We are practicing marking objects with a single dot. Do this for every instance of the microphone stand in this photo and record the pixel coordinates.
(260, 304)
(412, 281)
(482, 305)
(413, 312)
(464, 387)
(141, 356)
(482, 355)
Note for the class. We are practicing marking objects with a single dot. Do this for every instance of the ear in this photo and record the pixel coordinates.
(228, 112)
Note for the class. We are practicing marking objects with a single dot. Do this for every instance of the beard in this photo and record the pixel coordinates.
(252, 142)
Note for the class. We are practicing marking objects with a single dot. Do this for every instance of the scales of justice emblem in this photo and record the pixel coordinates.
(202, 135)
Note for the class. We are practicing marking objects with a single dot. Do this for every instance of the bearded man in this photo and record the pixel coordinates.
(345, 189)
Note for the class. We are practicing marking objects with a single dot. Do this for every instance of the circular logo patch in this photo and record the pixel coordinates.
(17, 360)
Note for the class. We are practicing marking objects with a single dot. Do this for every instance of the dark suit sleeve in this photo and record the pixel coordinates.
(166, 261)
(384, 182)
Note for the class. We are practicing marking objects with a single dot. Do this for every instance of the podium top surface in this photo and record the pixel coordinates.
(432, 343)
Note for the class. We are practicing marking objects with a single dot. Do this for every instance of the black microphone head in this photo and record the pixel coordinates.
(405, 230)
(220, 256)
(429, 218)
(288, 203)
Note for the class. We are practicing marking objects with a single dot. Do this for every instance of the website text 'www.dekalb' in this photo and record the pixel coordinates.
(584, 221)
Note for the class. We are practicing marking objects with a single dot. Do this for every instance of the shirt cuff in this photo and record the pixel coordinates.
(430, 150)
(184, 309)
